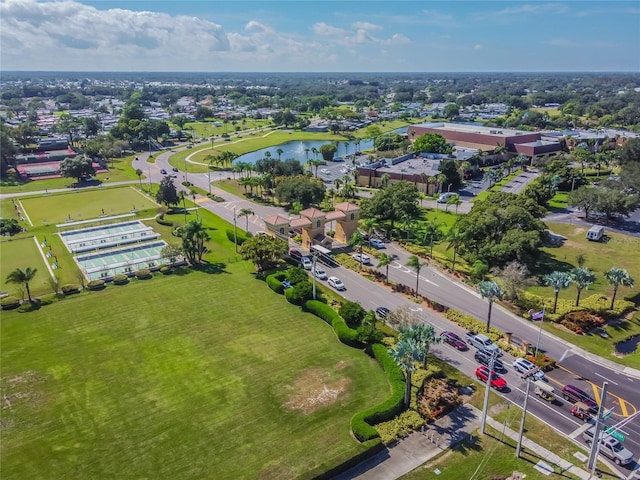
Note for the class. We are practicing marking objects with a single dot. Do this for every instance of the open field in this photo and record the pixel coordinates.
(180, 377)
(84, 205)
(22, 253)
(619, 251)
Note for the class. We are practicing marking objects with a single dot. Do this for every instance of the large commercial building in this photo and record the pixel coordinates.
(531, 144)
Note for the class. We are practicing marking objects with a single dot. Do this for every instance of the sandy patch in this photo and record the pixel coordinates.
(316, 388)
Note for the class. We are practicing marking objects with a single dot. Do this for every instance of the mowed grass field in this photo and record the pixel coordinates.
(22, 253)
(84, 205)
(619, 251)
(184, 376)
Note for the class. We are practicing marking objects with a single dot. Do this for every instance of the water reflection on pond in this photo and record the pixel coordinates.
(302, 150)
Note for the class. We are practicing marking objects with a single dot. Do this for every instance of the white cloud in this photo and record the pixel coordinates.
(477, 46)
(397, 39)
(533, 9)
(322, 28)
(366, 26)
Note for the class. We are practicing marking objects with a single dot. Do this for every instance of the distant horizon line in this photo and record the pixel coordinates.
(631, 72)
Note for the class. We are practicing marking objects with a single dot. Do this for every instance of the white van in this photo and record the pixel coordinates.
(595, 233)
(444, 198)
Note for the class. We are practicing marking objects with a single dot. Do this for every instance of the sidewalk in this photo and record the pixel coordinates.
(420, 447)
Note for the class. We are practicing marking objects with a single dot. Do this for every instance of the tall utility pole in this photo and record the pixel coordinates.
(149, 179)
(528, 376)
(539, 333)
(235, 235)
(595, 446)
(313, 273)
(485, 408)
(209, 176)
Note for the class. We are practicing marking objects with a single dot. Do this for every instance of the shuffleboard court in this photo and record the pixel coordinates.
(84, 205)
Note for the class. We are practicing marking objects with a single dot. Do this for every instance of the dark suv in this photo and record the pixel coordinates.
(484, 357)
(574, 395)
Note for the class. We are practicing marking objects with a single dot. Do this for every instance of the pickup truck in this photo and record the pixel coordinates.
(610, 447)
(482, 342)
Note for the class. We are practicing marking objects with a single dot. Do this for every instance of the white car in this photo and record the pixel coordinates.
(361, 257)
(320, 274)
(324, 171)
(336, 283)
(375, 243)
(523, 366)
(306, 263)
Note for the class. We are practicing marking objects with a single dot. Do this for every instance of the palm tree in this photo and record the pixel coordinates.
(432, 229)
(279, 151)
(455, 237)
(368, 225)
(181, 198)
(384, 260)
(316, 164)
(22, 277)
(490, 290)
(357, 241)
(139, 174)
(558, 281)
(246, 212)
(314, 150)
(194, 236)
(306, 152)
(405, 354)
(441, 179)
(616, 277)
(492, 176)
(582, 278)
(384, 180)
(424, 335)
(415, 263)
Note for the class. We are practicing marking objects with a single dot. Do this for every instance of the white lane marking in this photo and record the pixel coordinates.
(602, 376)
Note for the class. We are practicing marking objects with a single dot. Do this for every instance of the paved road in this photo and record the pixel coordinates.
(589, 369)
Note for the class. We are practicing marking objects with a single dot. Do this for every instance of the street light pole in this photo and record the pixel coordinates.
(209, 176)
(185, 170)
(149, 179)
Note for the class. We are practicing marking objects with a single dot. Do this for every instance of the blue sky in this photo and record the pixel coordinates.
(320, 35)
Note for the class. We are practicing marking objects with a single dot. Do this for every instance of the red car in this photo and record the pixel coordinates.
(497, 381)
(454, 340)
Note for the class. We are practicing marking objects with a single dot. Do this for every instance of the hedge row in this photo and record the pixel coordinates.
(162, 221)
(71, 288)
(361, 423)
(346, 335)
(274, 281)
(597, 303)
(240, 236)
(9, 303)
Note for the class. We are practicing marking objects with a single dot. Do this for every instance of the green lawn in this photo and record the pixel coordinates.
(619, 251)
(179, 377)
(84, 205)
(22, 253)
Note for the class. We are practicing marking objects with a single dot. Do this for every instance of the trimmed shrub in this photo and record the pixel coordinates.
(96, 284)
(120, 279)
(241, 236)
(361, 423)
(71, 288)
(162, 221)
(143, 274)
(166, 270)
(473, 324)
(30, 306)
(299, 293)
(49, 299)
(320, 309)
(275, 283)
(401, 426)
(9, 303)
(353, 313)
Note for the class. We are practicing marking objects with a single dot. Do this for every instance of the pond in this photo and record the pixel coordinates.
(296, 149)
(628, 346)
